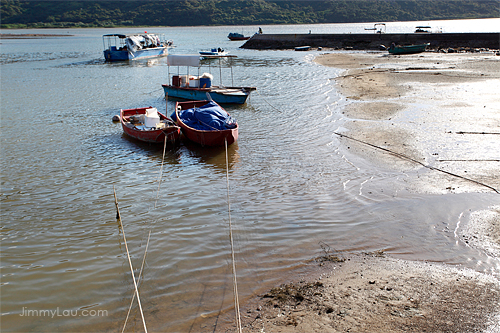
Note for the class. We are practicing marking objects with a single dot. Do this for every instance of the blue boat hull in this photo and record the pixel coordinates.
(195, 94)
(113, 54)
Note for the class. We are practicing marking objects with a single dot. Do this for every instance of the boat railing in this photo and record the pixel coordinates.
(378, 28)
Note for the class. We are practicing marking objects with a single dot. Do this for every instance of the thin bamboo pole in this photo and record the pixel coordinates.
(138, 279)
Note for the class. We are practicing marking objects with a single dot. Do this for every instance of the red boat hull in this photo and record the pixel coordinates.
(171, 132)
(204, 138)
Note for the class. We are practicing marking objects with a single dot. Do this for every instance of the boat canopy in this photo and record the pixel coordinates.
(183, 60)
(115, 35)
(137, 42)
(133, 42)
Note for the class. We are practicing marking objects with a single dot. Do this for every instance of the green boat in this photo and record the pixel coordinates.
(407, 49)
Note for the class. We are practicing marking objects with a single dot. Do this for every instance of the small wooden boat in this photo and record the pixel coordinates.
(237, 36)
(206, 123)
(407, 49)
(148, 125)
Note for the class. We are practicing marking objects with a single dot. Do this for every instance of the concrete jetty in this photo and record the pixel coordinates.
(373, 41)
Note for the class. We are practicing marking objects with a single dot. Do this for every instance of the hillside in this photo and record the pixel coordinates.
(110, 13)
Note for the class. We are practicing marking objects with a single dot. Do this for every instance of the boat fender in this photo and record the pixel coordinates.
(116, 118)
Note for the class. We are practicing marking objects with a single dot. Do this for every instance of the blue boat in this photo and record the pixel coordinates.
(195, 88)
(237, 36)
(118, 47)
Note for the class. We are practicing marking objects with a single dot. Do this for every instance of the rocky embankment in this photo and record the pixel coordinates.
(373, 41)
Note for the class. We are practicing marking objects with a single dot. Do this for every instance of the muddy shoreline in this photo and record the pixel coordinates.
(28, 36)
(371, 292)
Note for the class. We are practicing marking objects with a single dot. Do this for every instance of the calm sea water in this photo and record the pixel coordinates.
(291, 190)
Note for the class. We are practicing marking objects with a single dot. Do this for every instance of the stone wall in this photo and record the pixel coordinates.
(373, 41)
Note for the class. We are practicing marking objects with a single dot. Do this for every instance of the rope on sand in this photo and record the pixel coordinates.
(492, 133)
(235, 283)
(129, 261)
(415, 161)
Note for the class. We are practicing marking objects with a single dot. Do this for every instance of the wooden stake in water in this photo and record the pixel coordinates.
(129, 261)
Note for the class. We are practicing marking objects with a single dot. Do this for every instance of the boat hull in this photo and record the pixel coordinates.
(204, 138)
(236, 95)
(239, 38)
(302, 48)
(171, 133)
(410, 49)
(113, 54)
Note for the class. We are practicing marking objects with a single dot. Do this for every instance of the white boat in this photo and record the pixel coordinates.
(379, 28)
(118, 47)
(423, 29)
(213, 53)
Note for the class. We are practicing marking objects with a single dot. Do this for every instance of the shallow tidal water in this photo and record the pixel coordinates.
(292, 190)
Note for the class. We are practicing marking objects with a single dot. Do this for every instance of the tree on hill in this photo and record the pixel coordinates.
(109, 13)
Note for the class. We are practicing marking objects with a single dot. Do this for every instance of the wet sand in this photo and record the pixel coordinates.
(420, 106)
(373, 293)
(404, 113)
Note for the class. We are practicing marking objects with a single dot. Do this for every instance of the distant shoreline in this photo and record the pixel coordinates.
(21, 36)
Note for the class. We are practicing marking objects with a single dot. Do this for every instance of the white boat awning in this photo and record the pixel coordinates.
(183, 60)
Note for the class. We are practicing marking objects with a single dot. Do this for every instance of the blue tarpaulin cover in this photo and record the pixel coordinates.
(209, 117)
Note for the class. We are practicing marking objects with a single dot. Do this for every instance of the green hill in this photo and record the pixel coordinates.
(110, 13)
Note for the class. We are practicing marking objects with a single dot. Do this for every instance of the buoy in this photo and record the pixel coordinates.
(116, 118)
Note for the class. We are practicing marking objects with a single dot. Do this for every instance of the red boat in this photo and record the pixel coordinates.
(149, 125)
(210, 136)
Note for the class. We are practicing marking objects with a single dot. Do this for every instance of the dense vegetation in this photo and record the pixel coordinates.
(111, 13)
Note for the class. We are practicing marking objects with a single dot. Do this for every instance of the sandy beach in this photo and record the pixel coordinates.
(435, 117)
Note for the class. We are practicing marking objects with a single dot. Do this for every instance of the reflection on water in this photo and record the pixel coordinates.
(290, 189)
(9, 58)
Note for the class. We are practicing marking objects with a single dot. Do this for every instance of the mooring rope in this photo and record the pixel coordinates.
(235, 283)
(268, 102)
(149, 234)
(161, 169)
(129, 261)
(415, 161)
